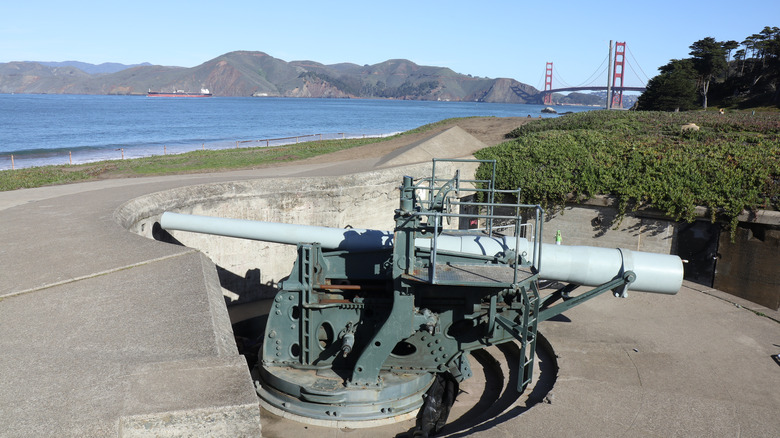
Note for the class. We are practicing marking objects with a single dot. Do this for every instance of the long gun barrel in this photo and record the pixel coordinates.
(584, 265)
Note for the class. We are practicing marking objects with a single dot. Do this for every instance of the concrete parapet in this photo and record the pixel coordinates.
(191, 398)
(249, 269)
(745, 267)
(595, 225)
(111, 352)
(749, 267)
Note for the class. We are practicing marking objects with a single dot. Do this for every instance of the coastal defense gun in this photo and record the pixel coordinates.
(369, 321)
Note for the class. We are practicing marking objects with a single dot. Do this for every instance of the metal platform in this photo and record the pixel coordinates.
(473, 275)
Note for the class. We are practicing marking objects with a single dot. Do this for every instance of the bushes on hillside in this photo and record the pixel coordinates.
(644, 159)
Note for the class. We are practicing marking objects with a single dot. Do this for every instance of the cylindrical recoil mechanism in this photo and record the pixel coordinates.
(585, 265)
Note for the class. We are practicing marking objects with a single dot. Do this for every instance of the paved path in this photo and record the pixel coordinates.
(106, 333)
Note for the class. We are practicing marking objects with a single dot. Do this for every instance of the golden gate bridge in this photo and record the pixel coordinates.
(615, 72)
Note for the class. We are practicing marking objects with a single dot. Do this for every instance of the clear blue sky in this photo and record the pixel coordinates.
(482, 38)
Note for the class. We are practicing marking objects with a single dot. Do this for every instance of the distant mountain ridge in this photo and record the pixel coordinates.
(93, 69)
(252, 73)
(246, 73)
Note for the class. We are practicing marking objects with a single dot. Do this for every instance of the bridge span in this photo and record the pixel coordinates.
(561, 90)
(614, 88)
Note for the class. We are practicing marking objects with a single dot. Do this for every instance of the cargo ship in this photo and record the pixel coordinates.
(204, 92)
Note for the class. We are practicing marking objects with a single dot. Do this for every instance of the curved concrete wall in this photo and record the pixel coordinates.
(250, 269)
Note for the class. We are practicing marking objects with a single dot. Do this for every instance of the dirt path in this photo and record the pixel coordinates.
(489, 130)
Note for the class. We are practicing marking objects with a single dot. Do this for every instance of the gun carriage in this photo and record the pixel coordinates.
(369, 321)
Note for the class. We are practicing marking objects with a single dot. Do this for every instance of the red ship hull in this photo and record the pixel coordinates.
(177, 94)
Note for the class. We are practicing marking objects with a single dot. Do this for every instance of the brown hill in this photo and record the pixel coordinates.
(247, 73)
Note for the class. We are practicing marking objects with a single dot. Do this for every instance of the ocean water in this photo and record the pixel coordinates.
(58, 129)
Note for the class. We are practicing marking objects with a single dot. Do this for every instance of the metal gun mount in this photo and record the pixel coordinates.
(367, 319)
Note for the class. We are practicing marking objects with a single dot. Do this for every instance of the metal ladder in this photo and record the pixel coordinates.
(528, 340)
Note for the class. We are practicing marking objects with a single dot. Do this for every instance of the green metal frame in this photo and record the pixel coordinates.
(360, 335)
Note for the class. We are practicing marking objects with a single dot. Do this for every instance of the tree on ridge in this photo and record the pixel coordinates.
(709, 60)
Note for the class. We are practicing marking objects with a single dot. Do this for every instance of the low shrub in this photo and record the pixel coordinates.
(643, 159)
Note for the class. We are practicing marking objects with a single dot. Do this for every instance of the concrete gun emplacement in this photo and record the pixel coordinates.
(368, 322)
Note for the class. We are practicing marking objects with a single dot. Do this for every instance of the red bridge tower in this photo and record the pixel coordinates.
(548, 83)
(617, 76)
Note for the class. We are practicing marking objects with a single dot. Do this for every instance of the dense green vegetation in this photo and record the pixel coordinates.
(711, 77)
(645, 159)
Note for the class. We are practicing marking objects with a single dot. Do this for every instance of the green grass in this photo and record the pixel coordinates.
(190, 162)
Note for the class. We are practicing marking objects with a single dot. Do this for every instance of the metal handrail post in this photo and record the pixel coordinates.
(434, 247)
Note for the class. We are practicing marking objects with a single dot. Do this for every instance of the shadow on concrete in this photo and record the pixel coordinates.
(607, 219)
(248, 288)
(498, 412)
(161, 235)
(652, 228)
(249, 338)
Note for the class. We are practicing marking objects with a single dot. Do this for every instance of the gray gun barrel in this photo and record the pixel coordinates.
(585, 265)
(349, 239)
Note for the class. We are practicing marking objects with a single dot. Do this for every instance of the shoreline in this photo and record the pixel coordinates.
(69, 129)
(488, 130)
(87, 155)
